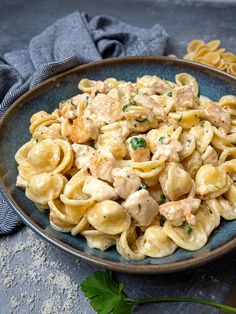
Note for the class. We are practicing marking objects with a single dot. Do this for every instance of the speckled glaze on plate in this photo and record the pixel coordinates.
(46, 96)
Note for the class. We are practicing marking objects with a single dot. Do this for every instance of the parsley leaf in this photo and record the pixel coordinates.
(169, 94)
(137, 142)
(104, 293)
(106, 296)
(143, 186)
(188, 229)
(162, 196)
(202, 123)
(125, 107)
(161, 139)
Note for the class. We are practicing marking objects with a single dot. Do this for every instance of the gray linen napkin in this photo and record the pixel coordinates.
(71, 41)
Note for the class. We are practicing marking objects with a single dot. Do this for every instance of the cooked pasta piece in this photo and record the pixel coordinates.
(142, 207)
(180, 211)
(99, 240)
(126, 181)
(126, 244)
(175, 181)
(109, 217)
(156, 243)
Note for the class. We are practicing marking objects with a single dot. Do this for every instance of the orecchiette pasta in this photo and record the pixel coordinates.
(210, 54)
(147, 167)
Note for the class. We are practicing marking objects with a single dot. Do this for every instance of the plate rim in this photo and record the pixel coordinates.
(171, 267)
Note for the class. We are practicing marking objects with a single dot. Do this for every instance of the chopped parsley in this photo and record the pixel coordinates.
(202, 124)
(161, 139)
(125, 107)
(142, 120)
(188, 229)
(96, 92)
(138, 142)
(86, 101)
(162, 196)
(216, 186)
(36, 140)
(217, 126)
(169, 94)
(143, 186)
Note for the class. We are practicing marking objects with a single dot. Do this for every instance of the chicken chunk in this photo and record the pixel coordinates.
(101, 165)
(99, 190)
(120, 129)
(142, 207)
(68, 111)
(83, 129)
(150, 104)
(218, 117)
(137, 148)
(210, 156)
(83, 154)
(184, 98)
(180, 211)
(168, 149)
(126, 181)
(106, 108)
(155, 83)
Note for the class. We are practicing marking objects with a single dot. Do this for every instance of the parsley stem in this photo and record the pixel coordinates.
(224, 307)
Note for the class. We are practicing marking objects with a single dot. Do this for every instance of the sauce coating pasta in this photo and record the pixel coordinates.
(147, 167)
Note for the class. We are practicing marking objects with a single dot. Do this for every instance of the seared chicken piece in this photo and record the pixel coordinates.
(83, 129)
(68, 111)
(150, 104)
(142, 207)
(184, 98)
(98, 189)
(180, 211)
(218, 117)
(155, 83)
(168, 149)
(101, 165)
(83, 154)
(137, 148)
(126, 181)
(106, 108)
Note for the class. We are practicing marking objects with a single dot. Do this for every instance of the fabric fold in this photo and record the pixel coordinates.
(71, 41)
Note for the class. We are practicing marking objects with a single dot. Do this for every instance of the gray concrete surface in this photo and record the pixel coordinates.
(36, 277)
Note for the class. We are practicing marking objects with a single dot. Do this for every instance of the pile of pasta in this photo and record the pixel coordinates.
(147, 166)
(211, 54)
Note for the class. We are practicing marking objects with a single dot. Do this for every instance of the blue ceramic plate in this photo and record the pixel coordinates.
(46, 96)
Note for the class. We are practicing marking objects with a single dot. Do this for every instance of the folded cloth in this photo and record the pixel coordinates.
(71, 41)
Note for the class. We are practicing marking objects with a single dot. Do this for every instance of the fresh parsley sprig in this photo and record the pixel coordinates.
(106, 296)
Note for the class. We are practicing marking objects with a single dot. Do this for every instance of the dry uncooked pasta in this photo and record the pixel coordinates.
(147, 166)
(211, 54)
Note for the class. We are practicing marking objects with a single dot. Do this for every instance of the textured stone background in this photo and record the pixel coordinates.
(36, 277)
